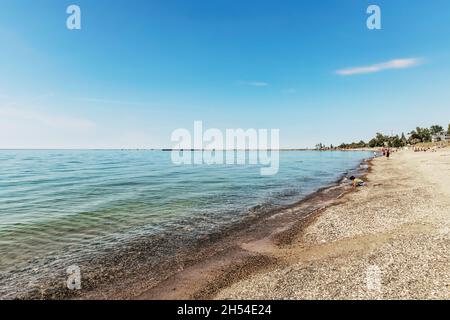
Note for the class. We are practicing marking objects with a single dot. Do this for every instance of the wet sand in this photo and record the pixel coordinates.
(248, 250)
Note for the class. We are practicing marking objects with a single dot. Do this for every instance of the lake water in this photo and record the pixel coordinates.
(59, 206)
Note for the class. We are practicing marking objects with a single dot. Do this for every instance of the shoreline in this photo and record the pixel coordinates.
(228, 257)
(129, 273)
(251, 253)
(321, 247)
(388, 240)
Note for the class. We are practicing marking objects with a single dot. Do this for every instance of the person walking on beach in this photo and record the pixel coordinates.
(388, 153)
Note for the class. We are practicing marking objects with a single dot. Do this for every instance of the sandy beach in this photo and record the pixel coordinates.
(388, 240)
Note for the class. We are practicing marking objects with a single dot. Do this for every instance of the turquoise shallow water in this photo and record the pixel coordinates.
(59, 206)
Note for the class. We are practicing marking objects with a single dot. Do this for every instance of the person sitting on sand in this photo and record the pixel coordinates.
(356, 182)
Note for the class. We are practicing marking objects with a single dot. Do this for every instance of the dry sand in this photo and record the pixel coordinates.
(388, 240)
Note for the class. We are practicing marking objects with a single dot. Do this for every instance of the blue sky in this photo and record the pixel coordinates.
(138, 70)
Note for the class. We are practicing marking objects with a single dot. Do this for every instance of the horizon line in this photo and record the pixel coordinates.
(170, 149)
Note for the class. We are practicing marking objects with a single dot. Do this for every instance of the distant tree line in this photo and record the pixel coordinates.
(419, 135)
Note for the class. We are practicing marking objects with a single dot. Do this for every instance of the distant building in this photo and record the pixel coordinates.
(442, 136)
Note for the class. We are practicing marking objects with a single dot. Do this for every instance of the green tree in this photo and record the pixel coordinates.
(448, 130)
(425, 134)
(420, 135)
(381, 140)
(413, 136)
(436, 129)
(396, 142)
(404, 140)
(373, 143)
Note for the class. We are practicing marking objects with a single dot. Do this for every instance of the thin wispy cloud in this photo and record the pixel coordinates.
(17, 115)
(109, 101)
(289, 90)
(15, 102)
(254, 83)
(392, 64)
